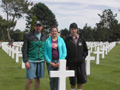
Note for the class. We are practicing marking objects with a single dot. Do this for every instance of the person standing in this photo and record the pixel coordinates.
(55, 50)
(76, 54)
(33, 55)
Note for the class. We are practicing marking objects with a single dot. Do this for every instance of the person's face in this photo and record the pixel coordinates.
(54, 32)
(73, 31)
(38, 28)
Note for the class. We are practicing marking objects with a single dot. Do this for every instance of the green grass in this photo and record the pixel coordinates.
(105, 76)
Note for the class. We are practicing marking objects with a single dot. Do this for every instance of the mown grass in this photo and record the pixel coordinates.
(105, 76)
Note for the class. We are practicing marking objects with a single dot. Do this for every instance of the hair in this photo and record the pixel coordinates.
(54, 27)
(73, 25)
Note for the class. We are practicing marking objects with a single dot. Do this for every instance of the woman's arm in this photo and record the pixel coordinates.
(64, 50)
(46, 52)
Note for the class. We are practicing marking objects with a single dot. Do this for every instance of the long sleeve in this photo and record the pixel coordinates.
(25, 49)
(67, 52)
(64, 50)
(46, 52)
(85, 49)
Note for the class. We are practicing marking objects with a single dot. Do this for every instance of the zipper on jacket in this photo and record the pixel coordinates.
(79, 40)
(38, 48)
(76, 52)
(75, 47)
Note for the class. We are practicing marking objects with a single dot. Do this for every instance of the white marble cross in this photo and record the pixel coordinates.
(13, 52)
(95, 45)
(9, 48)
(18, 54)
(91, 47)
(106, 49)
(103, 51)
(62, 73)
(88, 58)
(23, 65)
(97, 55)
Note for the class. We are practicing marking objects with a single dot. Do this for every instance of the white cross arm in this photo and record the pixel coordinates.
(68, 73)
(62, 73)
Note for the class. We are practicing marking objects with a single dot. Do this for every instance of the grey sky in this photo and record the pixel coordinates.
(79, 11)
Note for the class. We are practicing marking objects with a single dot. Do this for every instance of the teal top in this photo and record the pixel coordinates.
(38, 35)
(61, 48)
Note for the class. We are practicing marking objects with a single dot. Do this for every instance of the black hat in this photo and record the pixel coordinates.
(38, 23)
(73, 25)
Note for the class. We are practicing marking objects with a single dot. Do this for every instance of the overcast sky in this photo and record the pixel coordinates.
(79, 11)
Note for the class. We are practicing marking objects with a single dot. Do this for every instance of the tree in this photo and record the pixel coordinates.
(4, 24)
(107, 23)
(43, 14)
(115, 35)
(88, 33)
(14, 9)
(64, 33)
(17, 35)
(32, 24)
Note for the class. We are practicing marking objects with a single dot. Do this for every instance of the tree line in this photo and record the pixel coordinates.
(107, 29)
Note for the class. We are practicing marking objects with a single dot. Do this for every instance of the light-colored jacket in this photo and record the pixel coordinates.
(61, 48)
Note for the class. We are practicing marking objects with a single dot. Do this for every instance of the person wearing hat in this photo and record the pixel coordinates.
(76, 54)
(33, 55)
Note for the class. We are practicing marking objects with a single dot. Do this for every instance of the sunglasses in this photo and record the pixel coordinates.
(37, 25)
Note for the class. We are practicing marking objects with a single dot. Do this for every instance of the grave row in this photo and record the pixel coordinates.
(62, 73)
(96, 48)
(14, 51)
(99, 48)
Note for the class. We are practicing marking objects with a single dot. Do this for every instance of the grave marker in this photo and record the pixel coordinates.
(62, 73)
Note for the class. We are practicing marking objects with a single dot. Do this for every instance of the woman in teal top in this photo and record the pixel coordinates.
(55, 50)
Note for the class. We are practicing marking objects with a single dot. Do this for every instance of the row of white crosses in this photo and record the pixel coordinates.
(105, 48)
(62, 73)
(13, 50)
(100, 48)
(18, 52)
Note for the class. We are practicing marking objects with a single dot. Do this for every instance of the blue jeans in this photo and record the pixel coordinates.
(53, 81)
(35, 70)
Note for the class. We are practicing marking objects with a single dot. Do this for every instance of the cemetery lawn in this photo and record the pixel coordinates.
(105, 76)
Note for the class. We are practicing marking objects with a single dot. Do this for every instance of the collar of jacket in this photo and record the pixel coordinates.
(34, 33)
(51, 37)
(70, 36)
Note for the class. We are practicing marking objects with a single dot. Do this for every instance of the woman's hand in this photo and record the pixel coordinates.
(57, 65)
(67, 68)
(53, 65)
